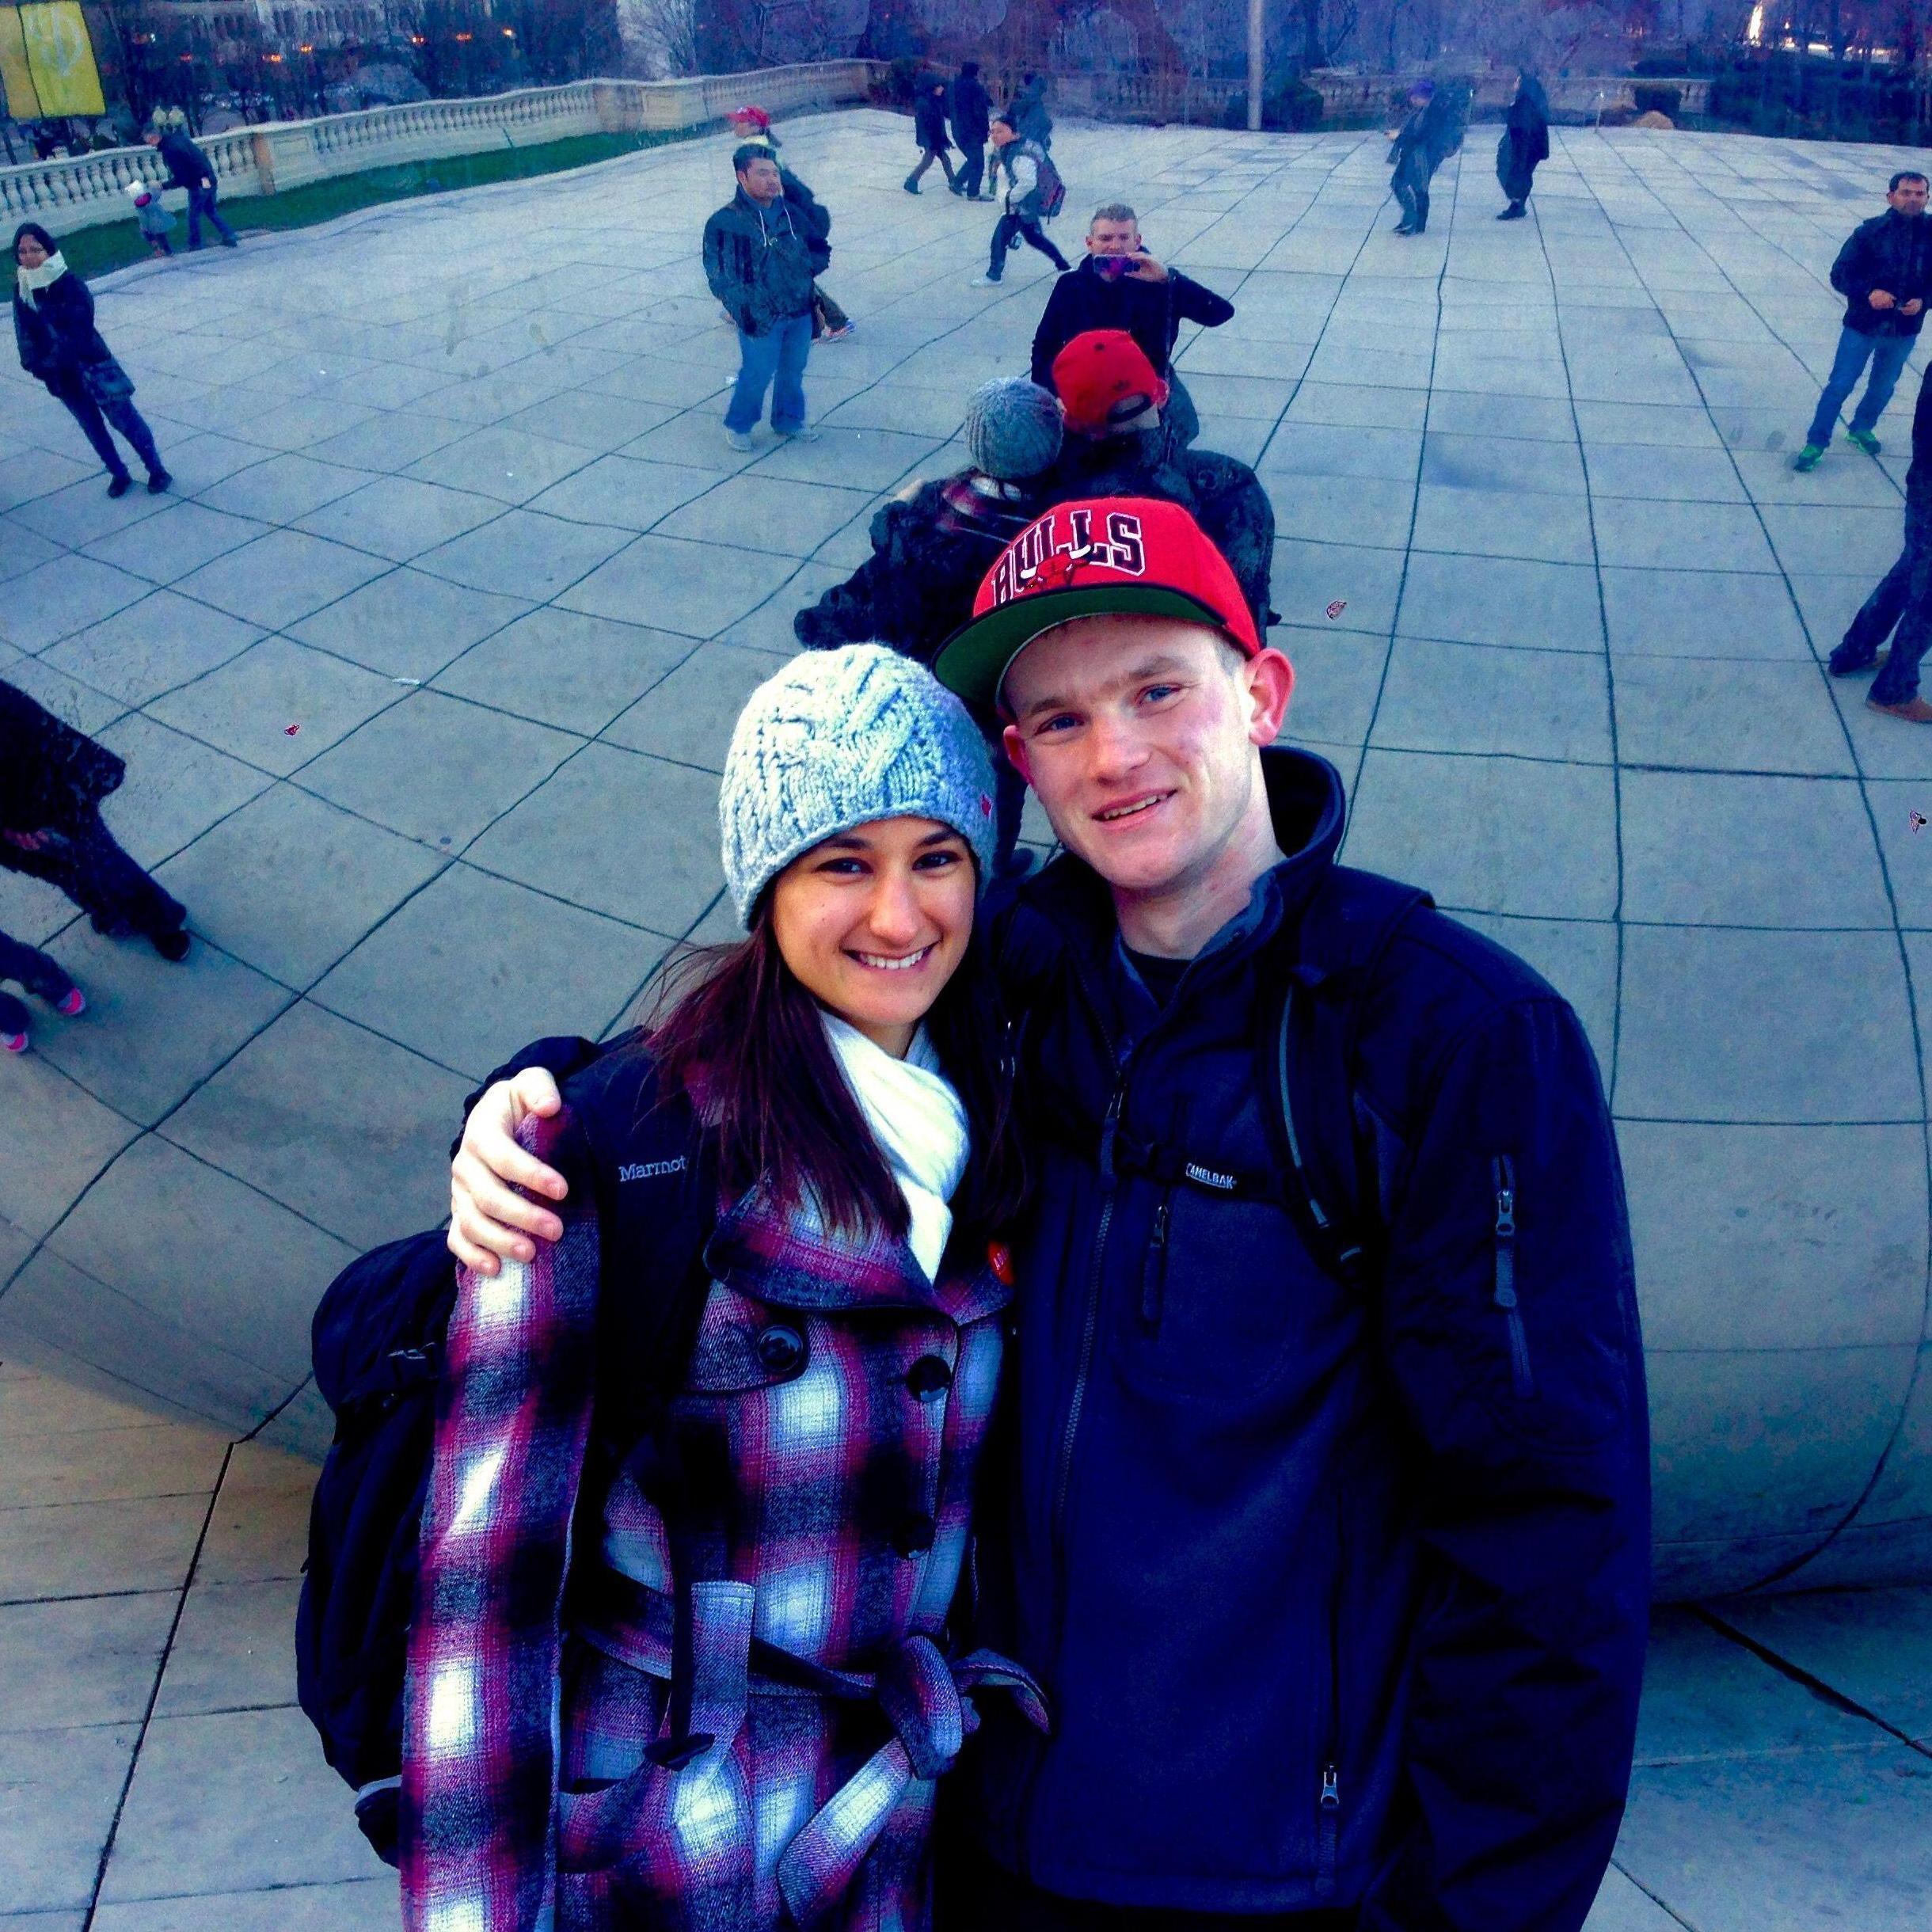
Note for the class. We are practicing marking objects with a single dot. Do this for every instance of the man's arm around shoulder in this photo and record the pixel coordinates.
(1511, 1335)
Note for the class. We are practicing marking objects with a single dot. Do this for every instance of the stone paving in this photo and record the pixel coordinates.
(423, 678)
(155, 1775)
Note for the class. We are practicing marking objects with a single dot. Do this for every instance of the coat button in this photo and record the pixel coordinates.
(914, 1537)
(780, 1349)
(929, 1377)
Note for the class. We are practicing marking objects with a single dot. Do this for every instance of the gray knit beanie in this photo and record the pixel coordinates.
(1013, 428)
(838, 738)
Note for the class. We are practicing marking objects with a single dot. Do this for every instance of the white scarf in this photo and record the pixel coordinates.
(30, 281)
(919, 1121)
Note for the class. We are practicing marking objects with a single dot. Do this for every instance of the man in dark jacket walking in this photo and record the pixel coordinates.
(1326, 1529)
(189, 168)
(1884, 273)
(761, 249)
(1900, 608)
(1119, 285)
(1525, 145)
(929, 129)
(972, 119)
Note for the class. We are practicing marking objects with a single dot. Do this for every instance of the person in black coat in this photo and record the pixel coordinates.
(54, 330)
(972, 119)
(52, 780)
(1027, 112)
(929, 129)
(189, 168)
(1525, 144)
(1121, 286)
(1900, 608)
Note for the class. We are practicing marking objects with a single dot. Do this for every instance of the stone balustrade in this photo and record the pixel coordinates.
(91, 188)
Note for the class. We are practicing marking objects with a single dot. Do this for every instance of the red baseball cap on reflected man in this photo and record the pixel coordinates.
(1098, 376)
(1126, 554)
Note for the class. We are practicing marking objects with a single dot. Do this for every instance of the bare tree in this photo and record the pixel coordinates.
(665, 34)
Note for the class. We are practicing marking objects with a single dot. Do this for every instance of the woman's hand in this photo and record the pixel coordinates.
(28, 841)
(488, 1217)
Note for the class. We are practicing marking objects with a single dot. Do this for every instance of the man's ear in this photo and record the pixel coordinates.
(1016, 750)
(1270, 678)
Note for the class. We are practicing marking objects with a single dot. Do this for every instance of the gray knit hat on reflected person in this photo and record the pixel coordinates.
(1013, 428)
(838, 738)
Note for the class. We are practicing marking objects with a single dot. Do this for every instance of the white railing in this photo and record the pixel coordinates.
(91, 188)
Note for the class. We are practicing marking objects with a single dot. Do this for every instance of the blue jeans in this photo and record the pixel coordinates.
(774, 361)
(1900, 608)
(200, 202)
(125, 417)
(1887, 354)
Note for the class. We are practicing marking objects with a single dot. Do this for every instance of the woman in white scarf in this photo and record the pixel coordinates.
(843, 1066)
(54, 330)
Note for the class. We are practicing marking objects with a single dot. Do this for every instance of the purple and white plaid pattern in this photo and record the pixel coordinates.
(826, 1436)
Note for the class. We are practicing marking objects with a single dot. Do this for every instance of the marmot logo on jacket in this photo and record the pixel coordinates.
(650, 1170)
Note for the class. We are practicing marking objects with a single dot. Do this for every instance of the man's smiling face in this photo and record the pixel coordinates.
(1138, 733)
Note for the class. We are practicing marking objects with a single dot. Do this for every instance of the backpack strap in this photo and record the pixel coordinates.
(1306, 1062)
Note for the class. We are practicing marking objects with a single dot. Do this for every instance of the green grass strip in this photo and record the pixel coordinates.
(113, 245)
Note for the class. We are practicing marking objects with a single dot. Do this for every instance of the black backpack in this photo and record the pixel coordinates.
(378, 1337)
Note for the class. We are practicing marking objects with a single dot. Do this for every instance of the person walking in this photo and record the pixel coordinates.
(972, 119)
(1119, 285)
(155, 222)
(1415, 153)
(931, 547)
(58, 345)
(1324, 1519)
(1027, 112)
(1884, 273)
(758, 1686)
(929, 129)
(1525, 145)
(761, 250)
(1028, 173)
(40, 974)
(1900, 607)
(52, 780)
(189, 168)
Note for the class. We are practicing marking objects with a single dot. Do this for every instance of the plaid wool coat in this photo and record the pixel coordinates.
(823, 1441)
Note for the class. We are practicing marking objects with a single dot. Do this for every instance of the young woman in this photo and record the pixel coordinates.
(694, 1674)
(54, 329)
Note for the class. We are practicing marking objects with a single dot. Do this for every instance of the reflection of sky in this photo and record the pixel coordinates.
(811, 29)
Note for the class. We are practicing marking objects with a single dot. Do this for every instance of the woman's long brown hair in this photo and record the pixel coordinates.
(733, 1026)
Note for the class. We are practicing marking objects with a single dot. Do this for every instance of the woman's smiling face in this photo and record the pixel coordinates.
(874, 921)
(29, 253)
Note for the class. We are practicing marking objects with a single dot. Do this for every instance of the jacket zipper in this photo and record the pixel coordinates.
(1153, 1276)
(1328, 1804)
(1521, 1378)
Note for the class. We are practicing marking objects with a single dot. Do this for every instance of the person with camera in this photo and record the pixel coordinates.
(1119, 285)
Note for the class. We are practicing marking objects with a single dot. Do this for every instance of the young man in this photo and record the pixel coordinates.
(972, 112)
(1025, 200)
(1325, 1528)
(752, 125)
(929, 130)
(1884, 273)
(761, 249)
(1119, 285)
(1900, 608)
(189, 168)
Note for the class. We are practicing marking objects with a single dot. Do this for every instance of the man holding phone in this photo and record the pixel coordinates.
(1121, 286)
